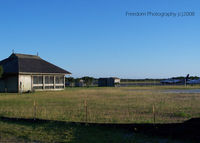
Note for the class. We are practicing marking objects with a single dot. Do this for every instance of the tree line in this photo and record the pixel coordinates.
(86, 80)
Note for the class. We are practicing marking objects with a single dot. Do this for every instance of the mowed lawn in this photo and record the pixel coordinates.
(105, 105)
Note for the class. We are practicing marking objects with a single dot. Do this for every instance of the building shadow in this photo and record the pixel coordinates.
(188, 130)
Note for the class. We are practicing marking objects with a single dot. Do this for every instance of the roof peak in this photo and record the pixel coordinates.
(18, 55)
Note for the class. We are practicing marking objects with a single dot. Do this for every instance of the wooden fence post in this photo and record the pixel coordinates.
(34, 106)
(154, 114)
(85, 111)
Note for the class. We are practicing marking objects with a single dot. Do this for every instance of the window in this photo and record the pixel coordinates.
(37, 80)
(58, 87)
(49, 79)
(49, 87)
(59, 80)
(37, 87)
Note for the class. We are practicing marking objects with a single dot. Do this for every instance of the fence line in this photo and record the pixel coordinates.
(88, 113)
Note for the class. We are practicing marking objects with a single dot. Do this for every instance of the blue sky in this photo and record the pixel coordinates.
(96, 38)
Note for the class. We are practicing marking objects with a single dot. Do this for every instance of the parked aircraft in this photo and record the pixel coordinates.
(195, 81)
(175, 81)
(170, 81)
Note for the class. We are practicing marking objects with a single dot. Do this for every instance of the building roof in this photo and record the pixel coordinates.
(21, 63)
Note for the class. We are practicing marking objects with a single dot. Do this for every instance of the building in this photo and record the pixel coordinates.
(80, 83)
(25, 73)
(112, 81)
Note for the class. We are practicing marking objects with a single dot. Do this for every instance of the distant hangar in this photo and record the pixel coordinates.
(111, 81)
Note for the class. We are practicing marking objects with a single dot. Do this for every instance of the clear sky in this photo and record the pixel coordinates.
(96, 38)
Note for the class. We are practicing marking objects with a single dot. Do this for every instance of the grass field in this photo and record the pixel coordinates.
(96, 105)
(104, 105)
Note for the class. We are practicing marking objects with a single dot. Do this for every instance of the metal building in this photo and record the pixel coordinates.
(24, 73)
(111, 81)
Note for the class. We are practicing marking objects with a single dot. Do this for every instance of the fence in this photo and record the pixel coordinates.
(85, 111)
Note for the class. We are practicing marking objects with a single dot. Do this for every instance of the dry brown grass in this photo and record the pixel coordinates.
(114, 105)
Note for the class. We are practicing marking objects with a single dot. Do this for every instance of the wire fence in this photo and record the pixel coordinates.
(98, 113)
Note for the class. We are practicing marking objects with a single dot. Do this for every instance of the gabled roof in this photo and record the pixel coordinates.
(21, 63)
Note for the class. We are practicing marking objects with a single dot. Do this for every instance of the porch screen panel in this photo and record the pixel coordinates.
(49, 79)
(37, 80)
(59, 80)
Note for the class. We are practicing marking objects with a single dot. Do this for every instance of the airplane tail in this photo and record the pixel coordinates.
(187, 77)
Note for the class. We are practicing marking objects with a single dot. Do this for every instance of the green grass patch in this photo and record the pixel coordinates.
(182, 114)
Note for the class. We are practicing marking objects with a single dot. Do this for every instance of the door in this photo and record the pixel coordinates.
(25, 83)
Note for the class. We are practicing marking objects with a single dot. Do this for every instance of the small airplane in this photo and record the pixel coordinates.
(175, 81)
(170, 81)
(194, 81)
